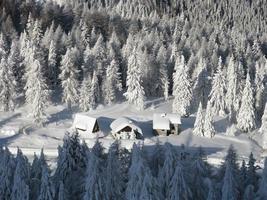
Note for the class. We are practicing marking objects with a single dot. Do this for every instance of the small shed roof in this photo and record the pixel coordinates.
(84, 122)
(163, 121)
(160, 122)
(120, 123)
(174, 118)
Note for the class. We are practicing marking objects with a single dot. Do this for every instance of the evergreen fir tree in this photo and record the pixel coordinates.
(14, 61)
(199, 123)
(201, 86)
(95, 182)
(167, 171)
(229, 188)
(135, 92)
(94, 94)
(112, 84)
(217, 94)
(150, 189)
(114, 182)
(201, 172)
(20, 189)
(37, 93)
(7, 86)
(52, 64)
(181, 88)
(252, 177)
(246, 116)
(3, 46)
(85, 92)
(209, 130)
(69, 80)
(262, 192)
(7, 169)
(231, 99)
(136, 175)
(46, 190)
(179, 189)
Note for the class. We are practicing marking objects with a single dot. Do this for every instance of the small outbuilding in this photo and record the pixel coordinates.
(125, 128)
(166, 123)
(85, 125)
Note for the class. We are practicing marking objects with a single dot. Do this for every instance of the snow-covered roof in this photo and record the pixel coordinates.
(84, 122)
(160, 122)
(174, 118)
(120, 123)
(163, 120)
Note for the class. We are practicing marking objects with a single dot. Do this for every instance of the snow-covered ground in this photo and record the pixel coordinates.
(17, 130)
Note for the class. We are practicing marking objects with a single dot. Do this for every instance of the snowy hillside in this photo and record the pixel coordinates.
(31, 138)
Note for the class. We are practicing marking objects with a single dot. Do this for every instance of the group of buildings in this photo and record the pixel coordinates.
(125, 127)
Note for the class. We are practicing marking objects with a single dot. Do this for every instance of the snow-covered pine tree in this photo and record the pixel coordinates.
(20, 189)
(217, 94)
(7, 86)
(94, 94)
(178, 187)
(157, 159)
(229, 188)
(3, 46)
(88, 61)
(7, 169)
(209, 130)
(246, 116)
(262, 192)
(150, 189)
(37, 93)
(231, 99)
(242, 177)
(263, 128)
(36, 174)
(85, 34)
(201, 86)
(93, 36)
(46, 187)
(36, 35)
(114, 180)
(230, 159)
(167, 171)
(201, 171)
(162, 59)
(126, 53)
(85, 92)
(181, 88)
(199, 123)
(260, 97)
(94, 181)
(71, 166)
(99, 50)
(115, 43)
(52, 64)
(68, 76)
(252, 177)
(14, 61)
(112, 83)
(135, 92)
(136, 174)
